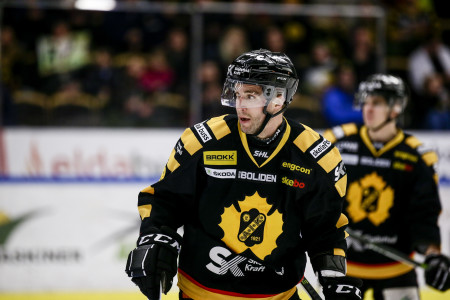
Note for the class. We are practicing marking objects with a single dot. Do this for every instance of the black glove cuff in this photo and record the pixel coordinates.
(437, 272)
(435, 256)
(327, 262)
(134, 262)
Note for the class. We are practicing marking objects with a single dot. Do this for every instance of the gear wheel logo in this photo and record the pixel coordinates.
(370, 198)
(245, 226)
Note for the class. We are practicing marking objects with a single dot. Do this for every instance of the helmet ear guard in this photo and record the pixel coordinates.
(397, 108)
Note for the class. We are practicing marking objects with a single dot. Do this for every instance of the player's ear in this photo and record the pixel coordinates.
(277, 103)
(396, 110)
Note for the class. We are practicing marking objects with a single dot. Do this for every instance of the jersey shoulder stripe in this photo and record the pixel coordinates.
(219, 127)
(340, 131)
(325, 154)
(412, 141)
(209, 130)
(194, 139)
(428, 155)
(172, 163)
(306, 138)
(312, 143)
(190, 141)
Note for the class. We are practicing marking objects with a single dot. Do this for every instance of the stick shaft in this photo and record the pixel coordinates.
(310, 290)
(386, 250)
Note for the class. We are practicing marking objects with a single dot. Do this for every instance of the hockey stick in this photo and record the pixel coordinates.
(310, 290)
(386, 250)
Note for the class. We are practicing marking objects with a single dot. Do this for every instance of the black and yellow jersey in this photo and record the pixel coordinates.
(392, 197)
(250, 210)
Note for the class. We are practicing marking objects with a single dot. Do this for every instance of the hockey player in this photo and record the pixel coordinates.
(254, 192)
(392, 194)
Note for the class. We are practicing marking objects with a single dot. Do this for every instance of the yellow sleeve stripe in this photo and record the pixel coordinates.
(341, 186)
(342, 221)
(350, 129)
(436, 178)
(339, 252)
(163, 174)
(329, 135)
(306, 138)
(144, 211)
(430, 158)
(172, 164)
(149, 190)
(190, 142)
(413, 142)
(330, 160)
(219, 127)
(346, 234)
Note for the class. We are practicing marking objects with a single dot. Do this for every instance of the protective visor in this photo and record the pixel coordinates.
(246, 95)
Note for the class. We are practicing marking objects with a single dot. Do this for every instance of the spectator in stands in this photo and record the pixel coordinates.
(211, 82)
(133, 44)
(176, 48)
(274, 40)
(100, 76)
(133, 105)
(318, 74)
(12, 56)
(159, 75)
(363, 52)
(158, 81)
(408, 25)
(134, 40)
(100, 79)
(213, 33)
(233, 43)
(61, 54)
(429, 76)
(432, 56)
(338, 100)
(435, 104)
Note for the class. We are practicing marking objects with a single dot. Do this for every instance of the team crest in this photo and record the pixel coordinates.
(251, 229)
(246, 227)
(370, 198)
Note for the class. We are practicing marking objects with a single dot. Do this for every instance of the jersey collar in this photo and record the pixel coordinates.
(280, 145)
(391, 144)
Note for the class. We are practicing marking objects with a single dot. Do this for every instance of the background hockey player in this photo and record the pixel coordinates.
(392, 195)
(253, 191)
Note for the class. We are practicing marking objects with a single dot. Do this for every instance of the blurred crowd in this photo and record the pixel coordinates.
(67, 67)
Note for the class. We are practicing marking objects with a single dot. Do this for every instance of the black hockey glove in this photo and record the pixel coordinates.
(331, 271)
(437, 272)
(341, 288)
(153, 264)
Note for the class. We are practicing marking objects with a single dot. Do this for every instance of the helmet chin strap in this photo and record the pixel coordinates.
(388, 120)
(267, 119)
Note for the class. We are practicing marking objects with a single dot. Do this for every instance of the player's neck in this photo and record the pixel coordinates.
(271, 128)
(384, 134)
